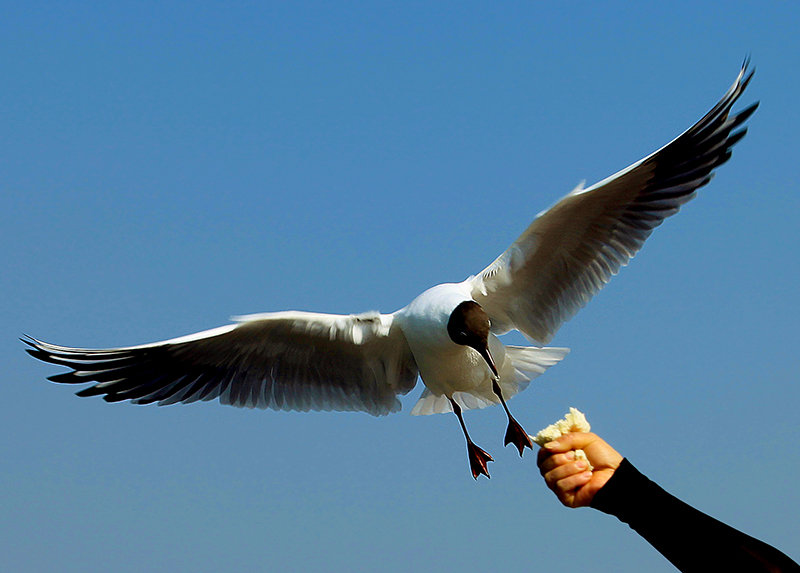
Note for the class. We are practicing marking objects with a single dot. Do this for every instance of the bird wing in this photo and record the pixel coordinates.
(571, 250)
(283, 361)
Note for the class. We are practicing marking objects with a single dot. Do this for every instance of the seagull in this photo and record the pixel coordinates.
(448, 335)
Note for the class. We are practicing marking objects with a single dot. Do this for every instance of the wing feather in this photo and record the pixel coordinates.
(283, 361)
(570, 251)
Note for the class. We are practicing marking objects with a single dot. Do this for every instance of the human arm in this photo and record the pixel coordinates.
(688, 538)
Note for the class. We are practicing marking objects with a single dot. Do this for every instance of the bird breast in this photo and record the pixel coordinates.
(444, 366)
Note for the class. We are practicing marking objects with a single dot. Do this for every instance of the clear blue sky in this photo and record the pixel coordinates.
(166, 166)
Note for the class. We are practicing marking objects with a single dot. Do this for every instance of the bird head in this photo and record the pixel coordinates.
(469, 325)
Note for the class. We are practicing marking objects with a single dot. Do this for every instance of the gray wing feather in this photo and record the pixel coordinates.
(282, 361)
(571, 250)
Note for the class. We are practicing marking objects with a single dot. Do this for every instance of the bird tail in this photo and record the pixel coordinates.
(527, 363)
(522, 364)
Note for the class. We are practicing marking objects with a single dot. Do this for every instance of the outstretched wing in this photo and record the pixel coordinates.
(572, 249)
(283, 361)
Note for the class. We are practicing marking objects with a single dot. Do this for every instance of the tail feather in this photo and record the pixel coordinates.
(523, 364)
(534, 361)
(529, 362)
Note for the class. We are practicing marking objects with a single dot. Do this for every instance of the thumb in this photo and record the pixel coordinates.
(571, 441)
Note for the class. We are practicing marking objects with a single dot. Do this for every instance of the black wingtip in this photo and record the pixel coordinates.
(747, 66)
(40, 354)
(90, 391)
(65, 378)
(747, 79)
(745, 75)
(734, 138)
(743, 115)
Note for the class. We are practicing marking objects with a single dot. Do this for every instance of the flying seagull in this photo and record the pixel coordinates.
(448, 334)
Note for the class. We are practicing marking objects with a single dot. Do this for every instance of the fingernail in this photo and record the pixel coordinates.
(570, 455)
(581, 465)
(551, 445)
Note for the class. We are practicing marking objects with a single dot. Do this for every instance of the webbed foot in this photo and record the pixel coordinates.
(478, 459)
(517, 436)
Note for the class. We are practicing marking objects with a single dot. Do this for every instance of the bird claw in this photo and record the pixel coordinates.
(478, 459)
(517, 436)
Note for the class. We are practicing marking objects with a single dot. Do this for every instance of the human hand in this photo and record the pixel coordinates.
(570, 479)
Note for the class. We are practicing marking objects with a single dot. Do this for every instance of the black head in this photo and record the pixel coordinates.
(469, 325)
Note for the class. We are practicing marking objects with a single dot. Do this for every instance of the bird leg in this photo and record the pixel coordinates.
(514, 433)
(478, 458)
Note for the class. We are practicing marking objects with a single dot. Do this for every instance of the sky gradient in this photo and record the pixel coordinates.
(164, 167)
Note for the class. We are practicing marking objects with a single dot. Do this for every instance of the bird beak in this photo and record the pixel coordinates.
(489, 360)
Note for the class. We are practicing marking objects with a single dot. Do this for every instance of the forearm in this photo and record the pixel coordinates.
(690, 539)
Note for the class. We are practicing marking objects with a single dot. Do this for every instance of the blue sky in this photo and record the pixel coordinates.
(163, 167)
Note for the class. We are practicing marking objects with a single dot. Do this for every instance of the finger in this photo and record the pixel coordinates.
(565, 489)
(561, 472)
(541, 456)
(582, 496)
(585, 494)
(555, 460)
(571, 441)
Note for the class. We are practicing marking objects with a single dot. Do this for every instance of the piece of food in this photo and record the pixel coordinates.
(573, 421)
